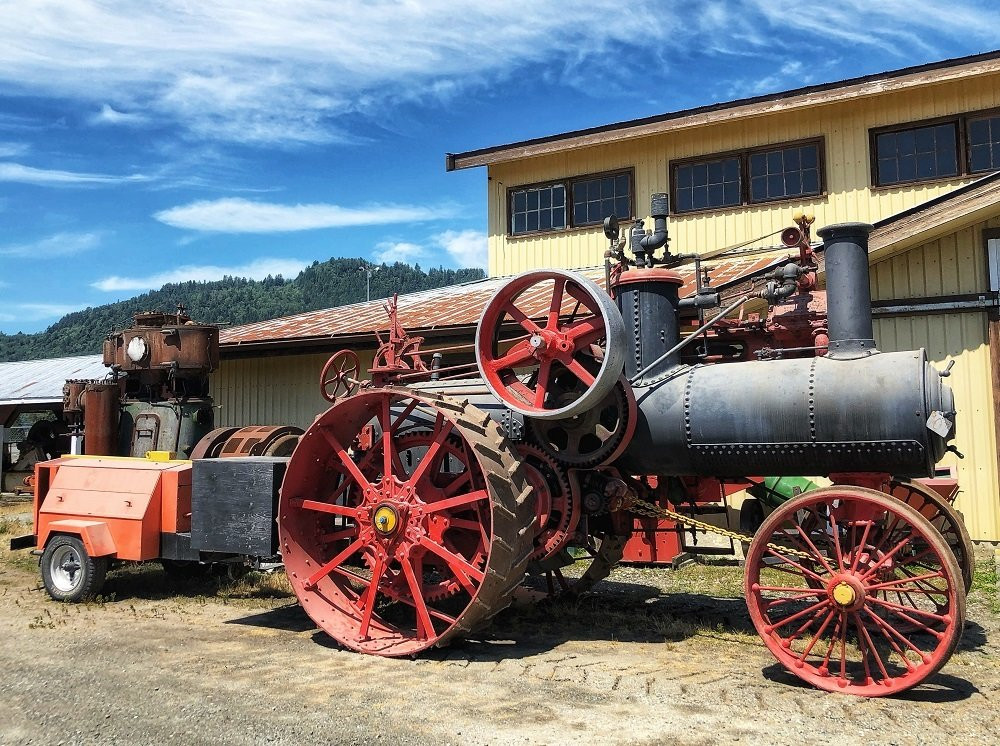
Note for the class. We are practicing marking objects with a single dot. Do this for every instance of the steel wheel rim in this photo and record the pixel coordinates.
(554, 350)
(827, 619)
(66, 569)
(335, 552)
(944, 518)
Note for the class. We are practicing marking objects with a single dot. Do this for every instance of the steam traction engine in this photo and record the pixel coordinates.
(415, 505)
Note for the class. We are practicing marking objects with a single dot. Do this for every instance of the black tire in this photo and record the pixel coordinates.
(69, 574)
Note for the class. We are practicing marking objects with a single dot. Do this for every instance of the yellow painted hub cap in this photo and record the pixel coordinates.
(843, 594)
(385, 519)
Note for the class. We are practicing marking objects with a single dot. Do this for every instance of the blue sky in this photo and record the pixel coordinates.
(142, 143)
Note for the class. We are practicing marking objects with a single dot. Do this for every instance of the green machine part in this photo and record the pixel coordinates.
(773, 491)
(174, 426)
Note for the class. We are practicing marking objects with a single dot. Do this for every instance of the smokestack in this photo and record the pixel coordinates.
(848, 293)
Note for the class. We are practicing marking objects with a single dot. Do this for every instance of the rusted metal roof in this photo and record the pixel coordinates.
(41, 381)
(454, 307)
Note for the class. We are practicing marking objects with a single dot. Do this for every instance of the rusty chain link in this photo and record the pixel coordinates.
(641, 507)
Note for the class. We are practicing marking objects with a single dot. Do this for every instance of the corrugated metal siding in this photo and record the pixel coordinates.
(280, 390)
(845, 127)
(953, 264)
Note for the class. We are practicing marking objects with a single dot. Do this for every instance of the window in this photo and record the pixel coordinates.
(984, 144)
(782, 174)
(759, 175)
(936, 149)
(699, 186)
(570, 203)
(917, 154)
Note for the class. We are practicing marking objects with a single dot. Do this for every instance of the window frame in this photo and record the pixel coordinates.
(567, 183)
(743, 155)
(963, 152)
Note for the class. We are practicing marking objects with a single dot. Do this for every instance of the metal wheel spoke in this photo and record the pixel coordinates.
(885, 558)
(333, 536)
(388, 452)
(368, 603)
(425, 625)
(517, 356)
(345, 458)
(864, 540)
(899, 582)
(458, 565)
(585, 331)
(813, 549)
(904, 611)
(574, 367)
(886, 629)
(819, 633)
(783, 558)
(442, 428)
(457, 501)
(460, 481)
(868, 646)
(821, 604)
(552, 324)
(343, 510)
(541, 383)
(520, 318)
(335, 562)
(835, 533)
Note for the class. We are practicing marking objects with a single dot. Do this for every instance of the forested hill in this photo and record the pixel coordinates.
(232, 300)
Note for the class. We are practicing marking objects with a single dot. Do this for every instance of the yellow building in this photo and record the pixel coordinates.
(913, 151)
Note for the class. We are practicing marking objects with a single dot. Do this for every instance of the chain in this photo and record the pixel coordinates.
(641, 507)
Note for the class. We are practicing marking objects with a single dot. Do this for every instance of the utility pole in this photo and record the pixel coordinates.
(369, 271)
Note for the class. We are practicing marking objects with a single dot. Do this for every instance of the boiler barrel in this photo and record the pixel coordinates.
(791, 417)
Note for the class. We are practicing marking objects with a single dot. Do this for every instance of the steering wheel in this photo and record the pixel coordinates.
(340, 375)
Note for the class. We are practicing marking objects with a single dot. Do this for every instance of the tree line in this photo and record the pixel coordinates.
(231, 301)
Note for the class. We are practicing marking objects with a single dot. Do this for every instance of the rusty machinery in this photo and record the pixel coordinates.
(133, 492)
(413, 507)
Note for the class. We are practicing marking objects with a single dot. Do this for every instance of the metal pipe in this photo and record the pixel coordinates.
(690, 338)
(848, 290)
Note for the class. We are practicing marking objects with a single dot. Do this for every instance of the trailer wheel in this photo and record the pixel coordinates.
(69, 573)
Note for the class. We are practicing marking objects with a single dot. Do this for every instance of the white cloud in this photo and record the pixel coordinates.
(292, 72)
(59, 244)
(37, 311)
(13, 149)
(21, 174)
(235, 215)
(398, 251)
(466, 248)
(110, 115)
(255, 270)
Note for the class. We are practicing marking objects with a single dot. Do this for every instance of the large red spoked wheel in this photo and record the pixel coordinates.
(944, 518)
(564, 362)
(861, 595)
(419, 538)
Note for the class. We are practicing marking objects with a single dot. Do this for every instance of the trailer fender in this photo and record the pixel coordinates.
(95, 535)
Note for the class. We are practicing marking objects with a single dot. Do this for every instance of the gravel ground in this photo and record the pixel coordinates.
(651, 657)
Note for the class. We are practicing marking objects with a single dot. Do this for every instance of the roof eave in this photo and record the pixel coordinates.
(825, 93)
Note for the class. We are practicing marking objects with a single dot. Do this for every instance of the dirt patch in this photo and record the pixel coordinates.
(651, 657)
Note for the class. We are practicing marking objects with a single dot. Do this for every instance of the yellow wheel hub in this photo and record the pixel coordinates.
(843, 594)
(385, 519)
